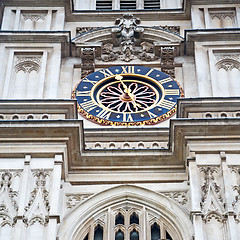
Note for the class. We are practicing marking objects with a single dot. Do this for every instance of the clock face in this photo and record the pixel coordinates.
(127, 96)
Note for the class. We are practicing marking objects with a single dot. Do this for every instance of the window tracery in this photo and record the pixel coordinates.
(128, 222)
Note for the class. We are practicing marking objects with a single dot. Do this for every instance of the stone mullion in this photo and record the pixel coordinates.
(19, 230)
(229, 198)
(54, 213)
(195, 194)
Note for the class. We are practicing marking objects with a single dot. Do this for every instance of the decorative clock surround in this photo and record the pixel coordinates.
(127, 96)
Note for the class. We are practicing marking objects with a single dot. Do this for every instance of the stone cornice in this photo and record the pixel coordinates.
(46, 138)
(209, 35)
(63, 37)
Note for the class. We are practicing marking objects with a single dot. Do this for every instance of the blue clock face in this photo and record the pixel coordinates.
(127, 96)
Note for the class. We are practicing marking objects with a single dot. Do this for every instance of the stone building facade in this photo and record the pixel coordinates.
(65, 176)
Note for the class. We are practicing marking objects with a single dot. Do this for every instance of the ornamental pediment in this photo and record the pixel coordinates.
(128, 40)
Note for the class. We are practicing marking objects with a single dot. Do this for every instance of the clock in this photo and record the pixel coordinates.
(127, 96)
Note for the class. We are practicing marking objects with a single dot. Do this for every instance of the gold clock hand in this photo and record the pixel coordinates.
(119, 77)
(127, 90)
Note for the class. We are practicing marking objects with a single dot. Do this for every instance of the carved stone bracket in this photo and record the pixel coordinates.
(88, 61)
(167, 60)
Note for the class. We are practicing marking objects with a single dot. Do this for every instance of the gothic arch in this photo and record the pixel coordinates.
(75, 223)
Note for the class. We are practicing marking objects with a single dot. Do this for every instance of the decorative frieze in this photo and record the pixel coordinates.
(222, 15)
(34, 17)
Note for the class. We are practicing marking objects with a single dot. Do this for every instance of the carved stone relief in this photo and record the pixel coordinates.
(167, 60)
(88, 61)
(222, 15)
(38, 207)
(228, 62)
(236, 191)
(73, 200)
(27, 64)
(180, 197)
(8, 198)
(174, 29)
(212, 203)
(34, 17)
(127, 42)
(81, 30)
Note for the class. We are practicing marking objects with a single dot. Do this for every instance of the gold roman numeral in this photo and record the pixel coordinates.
(89, 81)
(89, 105)
(172, 91)
(151, 115)
(127, 117)
(82, 93)
(104, 114)
(165, 80)
(166, 104)
(149, 72)
(106, 72)
(128, 69)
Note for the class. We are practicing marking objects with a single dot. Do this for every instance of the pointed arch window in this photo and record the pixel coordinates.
(168, 237)
(119, 235)
(134, 219)
(86, 238)
(155, 232)
(134, 235)
(98, 233)
(119, 219)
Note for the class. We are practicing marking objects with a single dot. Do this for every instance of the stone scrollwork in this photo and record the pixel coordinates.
(8, 204)
(127, 42)
(75, 199)
(38, 205)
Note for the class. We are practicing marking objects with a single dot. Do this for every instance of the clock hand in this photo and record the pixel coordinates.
(119, 77)
(127, 90)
